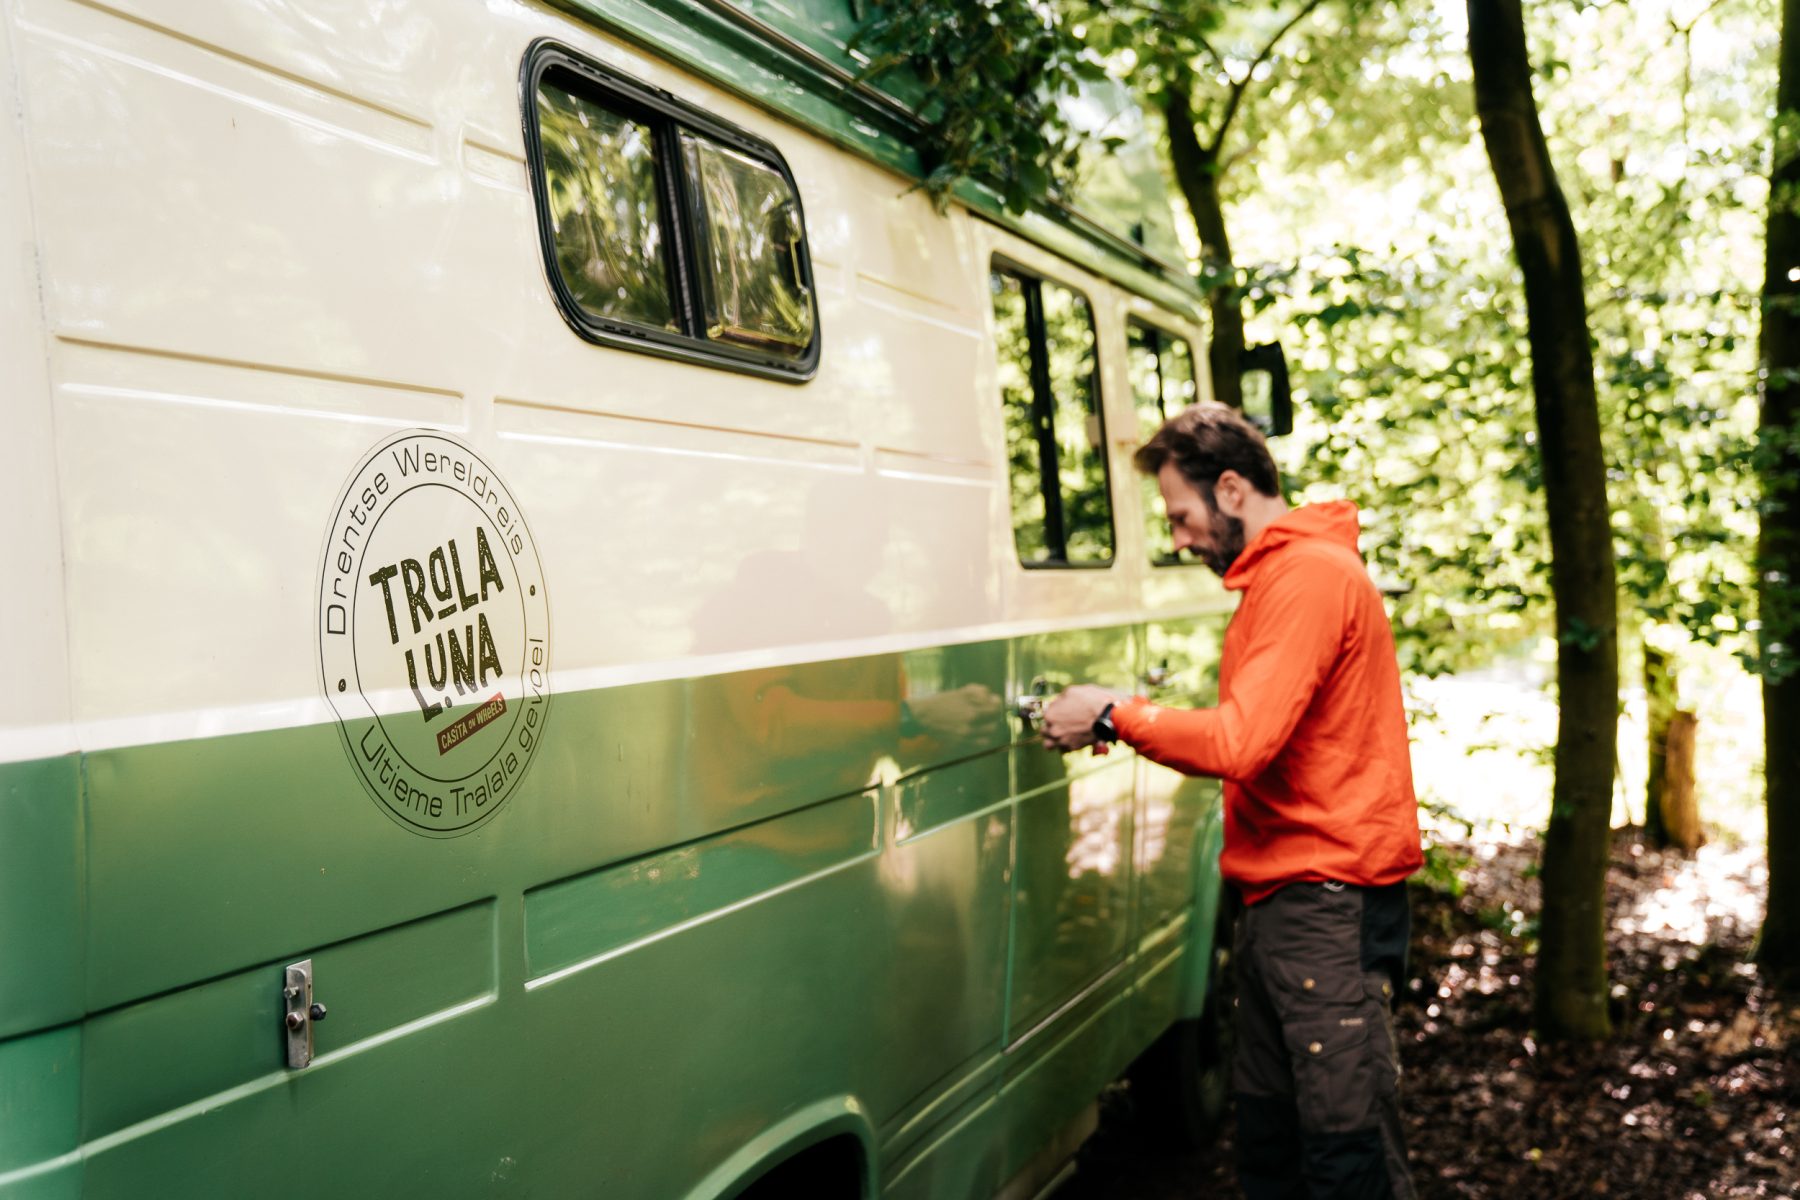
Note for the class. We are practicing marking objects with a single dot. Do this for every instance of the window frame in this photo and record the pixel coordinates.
(1038, 338)
(667, 116)
(1134, 320)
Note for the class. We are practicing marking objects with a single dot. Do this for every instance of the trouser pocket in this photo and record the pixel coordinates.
(1335, 1082)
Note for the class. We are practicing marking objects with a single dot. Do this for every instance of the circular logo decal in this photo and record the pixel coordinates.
(434, 633)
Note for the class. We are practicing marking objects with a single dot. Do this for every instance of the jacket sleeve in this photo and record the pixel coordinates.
(1300, 625)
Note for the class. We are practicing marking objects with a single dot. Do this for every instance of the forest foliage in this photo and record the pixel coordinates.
(1368, 240)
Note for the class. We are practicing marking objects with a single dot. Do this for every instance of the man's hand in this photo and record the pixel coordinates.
(1069, 719)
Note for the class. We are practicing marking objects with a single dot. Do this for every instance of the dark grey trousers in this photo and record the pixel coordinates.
(1315, 1076)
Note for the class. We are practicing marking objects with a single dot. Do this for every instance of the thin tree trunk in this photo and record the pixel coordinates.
(1197, 173)
(1571, 1000)
(1778, 546)
(1660, 704)
(1679, 804)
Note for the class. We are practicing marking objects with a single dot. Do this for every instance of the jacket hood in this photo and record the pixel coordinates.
(1334, 521)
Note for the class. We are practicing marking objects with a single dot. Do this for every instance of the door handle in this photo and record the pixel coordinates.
(1029, 706)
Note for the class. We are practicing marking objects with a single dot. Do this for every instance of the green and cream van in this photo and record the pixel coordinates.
(532, 553)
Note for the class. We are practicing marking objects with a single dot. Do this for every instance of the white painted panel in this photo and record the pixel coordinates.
(204, 206)
(197, 498)
(32, 635)
(269, 238)
(545, 360)
(668, 542)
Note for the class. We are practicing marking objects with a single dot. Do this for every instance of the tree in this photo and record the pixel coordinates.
(1778, 547)
(1197, 152)
(1205, 88)
(1661, 206)
(1571, 999)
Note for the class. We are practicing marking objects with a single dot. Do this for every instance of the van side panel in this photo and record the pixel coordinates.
(782, 848)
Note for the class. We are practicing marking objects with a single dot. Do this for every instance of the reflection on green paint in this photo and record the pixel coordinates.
(40, 1098)
(42, 854)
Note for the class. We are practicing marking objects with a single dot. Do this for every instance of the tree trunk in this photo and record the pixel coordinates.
(1680, 809)
(1197, 173)
(1778, 545)
(1571, 1000)
(1660, 704)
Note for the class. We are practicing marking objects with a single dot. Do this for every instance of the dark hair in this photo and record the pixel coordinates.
(1206, 440)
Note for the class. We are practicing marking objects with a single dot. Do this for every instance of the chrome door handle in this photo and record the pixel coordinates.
(1029, 706)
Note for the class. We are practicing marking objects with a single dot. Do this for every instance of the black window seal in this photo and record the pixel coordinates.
(1049, 478)
(667, 116)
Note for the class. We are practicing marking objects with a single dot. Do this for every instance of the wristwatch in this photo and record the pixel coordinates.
(1104, 733)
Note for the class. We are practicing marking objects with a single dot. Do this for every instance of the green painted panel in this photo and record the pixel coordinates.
(1072, 917)
(964, 1160)
(148, 1058)
(1073, 868)
(209, 857)
(1156, 999)
(41, 883)
(943, 940)
(61, 1182)
(627, 1080)
(823, 26)
(1174, 806)
(446, 1068)
(40, 1097)
(296, 855)
(924, 802)
(908, 1137)
(1203, 922)
(1059, 1075)
(595, 914)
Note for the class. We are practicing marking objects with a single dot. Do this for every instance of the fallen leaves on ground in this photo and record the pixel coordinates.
(1696, 1097)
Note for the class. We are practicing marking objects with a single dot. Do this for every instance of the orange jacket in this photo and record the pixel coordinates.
(1310, 732)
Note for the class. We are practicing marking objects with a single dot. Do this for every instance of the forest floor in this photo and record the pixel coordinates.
(1696, 1097)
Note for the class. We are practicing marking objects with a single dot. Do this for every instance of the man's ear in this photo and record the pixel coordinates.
(1230, 491)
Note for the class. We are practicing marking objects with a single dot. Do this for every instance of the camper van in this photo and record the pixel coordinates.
(534, 555)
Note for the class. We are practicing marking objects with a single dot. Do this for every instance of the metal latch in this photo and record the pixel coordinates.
(1029, 706)
(299, 1013)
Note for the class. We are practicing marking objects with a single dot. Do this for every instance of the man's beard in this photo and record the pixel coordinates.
(1227, 543)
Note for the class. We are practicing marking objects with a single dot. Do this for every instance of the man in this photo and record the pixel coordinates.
(1321, 828)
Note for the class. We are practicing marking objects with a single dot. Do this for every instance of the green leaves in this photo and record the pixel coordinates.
(994, 73)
